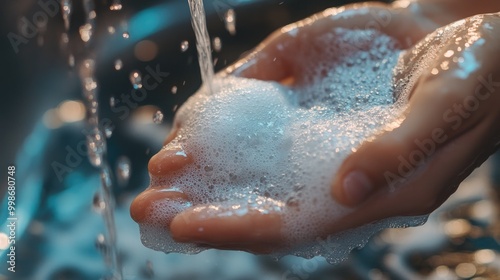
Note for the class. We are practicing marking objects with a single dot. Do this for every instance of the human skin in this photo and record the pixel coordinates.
(439, 109)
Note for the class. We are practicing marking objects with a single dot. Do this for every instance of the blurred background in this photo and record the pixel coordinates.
(60, 206)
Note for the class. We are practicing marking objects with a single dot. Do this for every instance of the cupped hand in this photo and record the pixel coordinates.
(449, 128)
(458, 143)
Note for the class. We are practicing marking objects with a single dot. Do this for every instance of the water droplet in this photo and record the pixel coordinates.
(230, 21)
(112, 102)
(64, 40)
(123, 170)
(136, 79)
(118, 64)
(86, 32)
(116, 5)
(100, 244)
(71, 60)
(184, 46)
(66, 8)
(111, 30)
(98, 204)
(174, 89)
(126, 35)
(96, 146)
(158, 117)
(217, 44)
(108, 131)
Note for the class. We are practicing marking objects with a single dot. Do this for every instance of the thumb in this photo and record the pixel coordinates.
(395, 156)
(439, 114)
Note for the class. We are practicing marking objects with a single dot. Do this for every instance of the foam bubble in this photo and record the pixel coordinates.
(261, 139)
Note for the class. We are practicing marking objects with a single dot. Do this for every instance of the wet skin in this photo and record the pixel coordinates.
(466, 137)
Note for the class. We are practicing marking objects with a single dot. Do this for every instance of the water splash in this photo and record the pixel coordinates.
(199, 24)
(103, 201)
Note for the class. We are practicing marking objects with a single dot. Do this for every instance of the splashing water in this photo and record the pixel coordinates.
(199, 24)
(96, 142)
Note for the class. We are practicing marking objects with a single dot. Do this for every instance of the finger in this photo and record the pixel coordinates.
(439, 111)
(422, 194)
(275, 58)
(232, 226)
(169, 159)
(141, 206)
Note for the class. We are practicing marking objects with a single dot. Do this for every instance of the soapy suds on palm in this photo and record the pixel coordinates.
(252, 139)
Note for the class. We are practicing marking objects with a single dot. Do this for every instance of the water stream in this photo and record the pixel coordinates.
(103, 201)
(199, 23)
(96, 139)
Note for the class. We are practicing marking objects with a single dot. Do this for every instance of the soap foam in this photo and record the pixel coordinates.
(252, 139)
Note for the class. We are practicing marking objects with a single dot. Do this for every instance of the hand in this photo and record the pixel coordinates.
(256, 232)
(449, 129)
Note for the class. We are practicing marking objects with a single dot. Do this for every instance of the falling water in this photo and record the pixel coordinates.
(66, 10)
(96, 141)
(97, 148)
(202, 42)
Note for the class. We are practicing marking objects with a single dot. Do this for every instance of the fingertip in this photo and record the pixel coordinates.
(141, 204)
(169, 159)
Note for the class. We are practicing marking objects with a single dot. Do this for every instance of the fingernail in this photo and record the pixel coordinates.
(357, 187)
